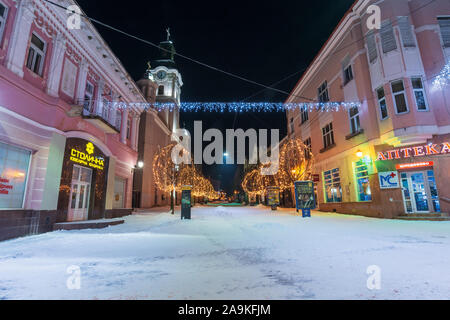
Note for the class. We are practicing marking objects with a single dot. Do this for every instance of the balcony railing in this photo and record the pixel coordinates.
(104, 115)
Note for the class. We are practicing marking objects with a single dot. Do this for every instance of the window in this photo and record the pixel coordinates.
(3, 15)
(160, 90)
(304, 114)
(362, 181)
(36, 55)
(382, 103)
(406, 32)
(372, 46)
(444, 24)
(69, 78)
(347, 70)
(433, 191)
(398, 90)
(355, 125)
(88, 96)
(388, 42)
(14, 163)
(118, 120)
(332, 185)
(323, 92)
(328, 136)
(291, 124)
(348, 74)
(419, 94)
(128, 128)
(308, 150)
(105, 109)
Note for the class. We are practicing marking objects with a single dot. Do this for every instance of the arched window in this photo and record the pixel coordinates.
(161, 91)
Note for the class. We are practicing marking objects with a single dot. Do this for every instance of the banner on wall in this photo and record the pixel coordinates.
(389, 180)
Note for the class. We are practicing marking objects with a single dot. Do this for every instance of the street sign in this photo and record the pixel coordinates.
(306, 213)
(186, 203)
(389, 180)
(304, 196)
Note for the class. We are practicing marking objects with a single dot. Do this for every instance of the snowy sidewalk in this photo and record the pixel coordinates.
(233, 253)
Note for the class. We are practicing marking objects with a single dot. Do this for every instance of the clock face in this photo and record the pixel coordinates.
(161, 74)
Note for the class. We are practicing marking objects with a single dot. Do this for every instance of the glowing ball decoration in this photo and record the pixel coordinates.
(253, 183)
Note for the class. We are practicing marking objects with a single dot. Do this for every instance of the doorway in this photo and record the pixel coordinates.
(420, 194)
(80, 194)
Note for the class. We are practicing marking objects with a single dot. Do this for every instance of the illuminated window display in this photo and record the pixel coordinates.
(362, 181)
(333, 189)
(14, 163)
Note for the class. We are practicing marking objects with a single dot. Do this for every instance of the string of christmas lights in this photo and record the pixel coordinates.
(239, 107)
(443, 78)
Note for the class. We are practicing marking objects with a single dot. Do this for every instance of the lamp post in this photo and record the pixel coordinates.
(136, 199)
(175, 170)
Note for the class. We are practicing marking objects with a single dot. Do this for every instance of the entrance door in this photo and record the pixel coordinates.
(80, 194)
(420, 192)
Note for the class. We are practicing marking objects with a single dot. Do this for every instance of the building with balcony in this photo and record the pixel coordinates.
(390, 156)
(68, 144)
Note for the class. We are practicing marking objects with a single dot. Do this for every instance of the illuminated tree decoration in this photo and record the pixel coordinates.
(268, 180)
(253, 183)
(187, 177)
(164, 171)
(169, 177)
(296, 164)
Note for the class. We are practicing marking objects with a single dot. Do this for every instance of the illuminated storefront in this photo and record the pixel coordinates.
(386, 182)
(82, 193)
(420, 172)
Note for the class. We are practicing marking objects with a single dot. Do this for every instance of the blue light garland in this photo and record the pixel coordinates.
(241, 107)
(443, 78)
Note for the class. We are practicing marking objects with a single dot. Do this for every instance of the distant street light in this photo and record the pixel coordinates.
(226, 154)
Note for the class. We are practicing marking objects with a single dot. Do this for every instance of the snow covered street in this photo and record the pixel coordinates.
(233, 253)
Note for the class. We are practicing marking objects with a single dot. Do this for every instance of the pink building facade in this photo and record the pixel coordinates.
(391, 156)
(68, 151)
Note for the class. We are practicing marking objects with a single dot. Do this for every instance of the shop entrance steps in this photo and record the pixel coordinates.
(425, 217)
(89, 224)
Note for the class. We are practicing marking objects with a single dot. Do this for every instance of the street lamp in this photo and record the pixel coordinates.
(175, 170)
(359, 154)
(136, 193)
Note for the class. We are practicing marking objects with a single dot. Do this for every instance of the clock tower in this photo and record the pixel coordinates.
(168, 80)
(161, 83)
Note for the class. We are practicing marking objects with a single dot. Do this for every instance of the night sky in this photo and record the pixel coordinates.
(264, 41)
